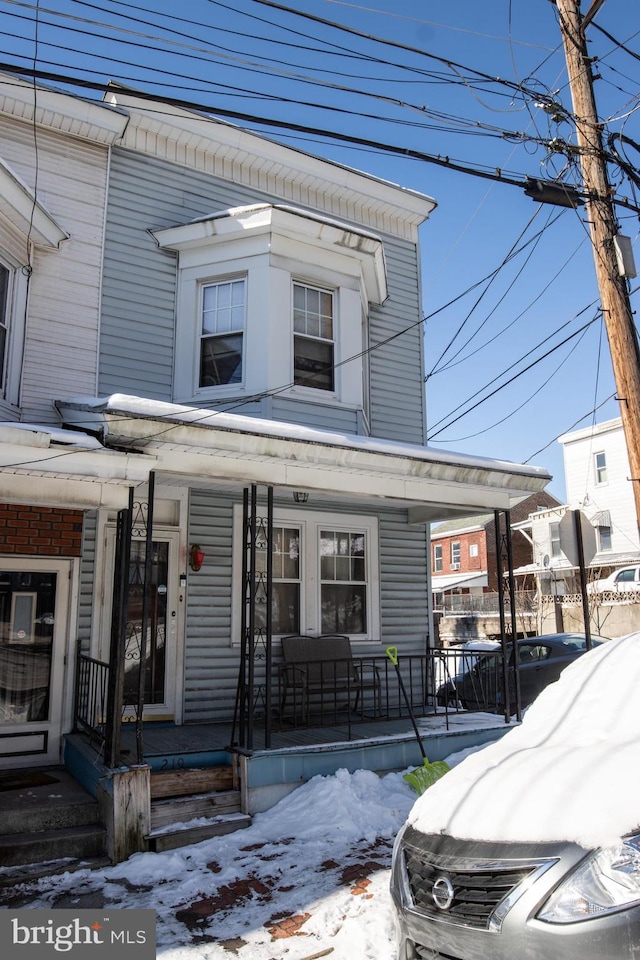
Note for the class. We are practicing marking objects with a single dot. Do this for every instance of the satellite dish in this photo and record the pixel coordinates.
(545, 560)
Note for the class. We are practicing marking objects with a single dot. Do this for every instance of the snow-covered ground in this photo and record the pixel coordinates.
(308, 877)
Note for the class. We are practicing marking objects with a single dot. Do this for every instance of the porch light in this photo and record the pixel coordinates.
(300, 496)
(196, 557)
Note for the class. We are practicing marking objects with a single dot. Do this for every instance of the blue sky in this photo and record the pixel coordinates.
(434, 95)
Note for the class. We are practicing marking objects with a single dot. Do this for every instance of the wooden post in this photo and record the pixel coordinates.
(125, 803)
(614, 297)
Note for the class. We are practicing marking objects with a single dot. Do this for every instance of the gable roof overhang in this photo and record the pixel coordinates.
(195, 444)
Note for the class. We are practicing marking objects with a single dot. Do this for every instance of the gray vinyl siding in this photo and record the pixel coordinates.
(212, 663)
(397, 366)
(139, 302)
(87, 572)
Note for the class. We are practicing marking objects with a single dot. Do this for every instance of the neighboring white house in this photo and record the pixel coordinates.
(600, 493)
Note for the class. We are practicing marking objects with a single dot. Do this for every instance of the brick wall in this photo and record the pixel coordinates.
(40, 531)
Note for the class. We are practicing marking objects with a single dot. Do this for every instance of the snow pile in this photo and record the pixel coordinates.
(319, 860)
(571, 771)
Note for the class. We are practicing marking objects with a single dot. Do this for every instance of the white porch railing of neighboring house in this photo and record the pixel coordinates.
(483, 604)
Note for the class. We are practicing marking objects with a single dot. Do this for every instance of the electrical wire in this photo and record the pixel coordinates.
(568, 429)
(524, 403)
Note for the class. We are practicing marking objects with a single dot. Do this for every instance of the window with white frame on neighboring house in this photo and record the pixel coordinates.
(554, 536)
(223, 311)
(313, 337)
(600, 465)
(473, 550)
(324, 574)
(604, 538)
(455, 554)
(437, 557)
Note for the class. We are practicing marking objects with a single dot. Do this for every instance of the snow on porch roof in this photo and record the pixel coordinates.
(199, 443)
(452, 580)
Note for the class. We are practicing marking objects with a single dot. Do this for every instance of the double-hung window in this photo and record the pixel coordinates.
(324, 575)
(313, 337)
(554, 536)
(600, 465)
(437, 557)
(286, 581)
(222, 332)
(343, 582)
(455, 554)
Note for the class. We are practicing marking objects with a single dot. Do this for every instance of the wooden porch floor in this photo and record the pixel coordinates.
(161, 740)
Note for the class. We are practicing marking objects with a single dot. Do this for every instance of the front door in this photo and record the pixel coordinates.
(33, 636)
(160, 675)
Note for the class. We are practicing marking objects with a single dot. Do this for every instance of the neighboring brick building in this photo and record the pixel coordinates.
(463, 551)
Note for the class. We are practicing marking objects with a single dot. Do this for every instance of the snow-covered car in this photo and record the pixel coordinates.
(530, 847)
(625, 579)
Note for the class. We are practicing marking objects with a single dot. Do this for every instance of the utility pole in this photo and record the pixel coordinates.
(614, 297)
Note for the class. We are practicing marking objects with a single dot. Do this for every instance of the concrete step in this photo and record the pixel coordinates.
(54, 816)
(182, 809)
(183, 834)
(75, 842)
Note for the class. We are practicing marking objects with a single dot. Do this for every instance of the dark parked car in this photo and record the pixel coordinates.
(530, 847)
(542, 659)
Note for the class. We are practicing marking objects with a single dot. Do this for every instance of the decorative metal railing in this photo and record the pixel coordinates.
(367, 689)
(90, 710)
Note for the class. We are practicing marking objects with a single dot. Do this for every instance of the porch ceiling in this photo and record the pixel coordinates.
(193, 444)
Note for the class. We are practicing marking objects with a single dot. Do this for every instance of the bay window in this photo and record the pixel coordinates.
(273, 299)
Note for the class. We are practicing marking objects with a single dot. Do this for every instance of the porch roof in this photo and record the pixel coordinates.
(450, 581)
(212, 447)
(47, 465)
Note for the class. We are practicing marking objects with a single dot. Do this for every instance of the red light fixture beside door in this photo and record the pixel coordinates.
(196, 557)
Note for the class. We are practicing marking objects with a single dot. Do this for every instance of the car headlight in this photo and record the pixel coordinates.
(607, 880)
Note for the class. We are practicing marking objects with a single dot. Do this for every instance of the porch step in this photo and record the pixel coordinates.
(182, 809)
(48, 816)
(177, 783)
(183, 834)
(18, 849)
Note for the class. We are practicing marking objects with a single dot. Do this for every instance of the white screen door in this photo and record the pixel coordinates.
(34, 619)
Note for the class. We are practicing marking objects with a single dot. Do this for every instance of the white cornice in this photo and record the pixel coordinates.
(57, 110)
(211, 145)
(296, 224)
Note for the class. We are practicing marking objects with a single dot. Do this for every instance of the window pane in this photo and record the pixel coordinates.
(285, 572)
(221, 360)
(313, 363)
(223, 306)
(27, 605)
(343, 608)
